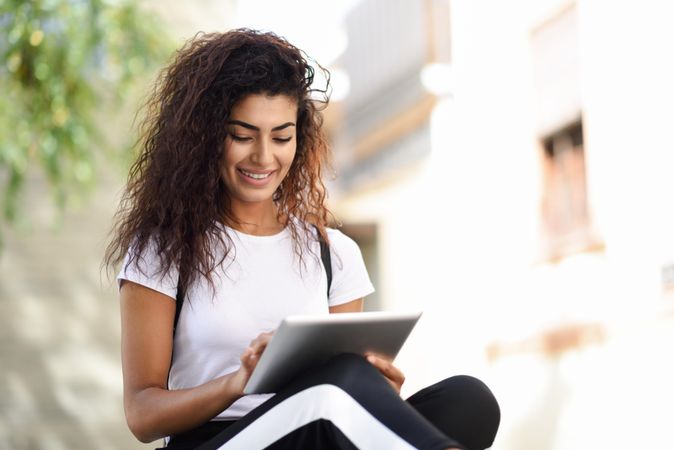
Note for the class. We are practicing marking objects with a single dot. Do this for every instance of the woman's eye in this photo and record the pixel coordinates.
(240, 138)
(283, 139)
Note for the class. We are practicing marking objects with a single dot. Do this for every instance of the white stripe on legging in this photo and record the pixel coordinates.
(326, 402)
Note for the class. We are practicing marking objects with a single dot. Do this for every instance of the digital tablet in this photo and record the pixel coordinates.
(303, 341)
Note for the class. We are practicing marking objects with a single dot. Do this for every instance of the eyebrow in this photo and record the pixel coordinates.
(253, 127)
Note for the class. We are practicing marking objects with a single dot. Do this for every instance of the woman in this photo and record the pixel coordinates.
(225, 208)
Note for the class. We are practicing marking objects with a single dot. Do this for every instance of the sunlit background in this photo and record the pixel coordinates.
(506, 167)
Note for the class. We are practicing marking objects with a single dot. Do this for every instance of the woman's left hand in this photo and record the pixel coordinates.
(385, 365)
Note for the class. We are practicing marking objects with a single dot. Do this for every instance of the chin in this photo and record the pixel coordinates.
(259, 197)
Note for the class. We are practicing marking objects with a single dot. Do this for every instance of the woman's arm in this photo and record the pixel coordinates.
(152, 411)
(352, 306)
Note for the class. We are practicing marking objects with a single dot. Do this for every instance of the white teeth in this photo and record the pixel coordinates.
(255, 176)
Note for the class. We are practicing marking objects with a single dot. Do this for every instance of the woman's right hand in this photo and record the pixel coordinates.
(152, 410)
(249, 358)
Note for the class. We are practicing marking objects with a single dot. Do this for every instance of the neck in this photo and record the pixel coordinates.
(260, 219)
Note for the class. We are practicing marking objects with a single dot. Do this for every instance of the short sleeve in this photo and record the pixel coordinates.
(350, 280)
(146, 271)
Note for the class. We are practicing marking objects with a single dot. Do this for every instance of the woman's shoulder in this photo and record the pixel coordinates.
(338, 238)
(342, 245)
(339, 241)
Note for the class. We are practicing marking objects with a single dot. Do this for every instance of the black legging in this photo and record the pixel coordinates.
(347, 404)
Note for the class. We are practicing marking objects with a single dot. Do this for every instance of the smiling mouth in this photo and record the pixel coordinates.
(255, 176)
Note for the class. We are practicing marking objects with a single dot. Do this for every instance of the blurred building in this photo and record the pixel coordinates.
(521, 201)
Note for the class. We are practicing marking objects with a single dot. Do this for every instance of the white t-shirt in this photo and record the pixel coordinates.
(260, 283)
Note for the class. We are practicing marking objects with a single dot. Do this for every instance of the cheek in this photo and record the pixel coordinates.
(229, 156)
(288, 161)
(290, 156)
(226, 165)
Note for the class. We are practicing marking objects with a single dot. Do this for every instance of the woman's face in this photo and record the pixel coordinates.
(260, 146)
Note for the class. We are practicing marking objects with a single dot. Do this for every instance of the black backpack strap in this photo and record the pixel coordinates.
(180, 295)
(325, 257)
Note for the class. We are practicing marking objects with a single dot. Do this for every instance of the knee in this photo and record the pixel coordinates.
(347, 366)
(347, 371)
(480, 404)
(347, 360)
(463, 407)
(475, 391)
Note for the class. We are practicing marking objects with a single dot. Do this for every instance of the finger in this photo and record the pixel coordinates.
(381, 362)
(392, 372)
(382, 358)
(262, 339)
(385, 366)
(248, 359)
(252, 353)
(258, 344)
(375, 361)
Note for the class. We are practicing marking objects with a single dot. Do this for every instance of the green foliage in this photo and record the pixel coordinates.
(58, 59)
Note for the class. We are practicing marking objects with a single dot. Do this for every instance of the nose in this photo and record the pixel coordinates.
(263, 154)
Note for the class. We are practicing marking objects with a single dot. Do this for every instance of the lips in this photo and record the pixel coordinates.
(255, 178)
(255, 175)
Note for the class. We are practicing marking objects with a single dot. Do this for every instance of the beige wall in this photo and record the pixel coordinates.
(61, 378)
(60, 368)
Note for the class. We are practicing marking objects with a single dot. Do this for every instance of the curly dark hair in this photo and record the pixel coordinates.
(175, 197)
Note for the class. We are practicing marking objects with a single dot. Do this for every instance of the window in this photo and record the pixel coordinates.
(564, 206)
(565, 215)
